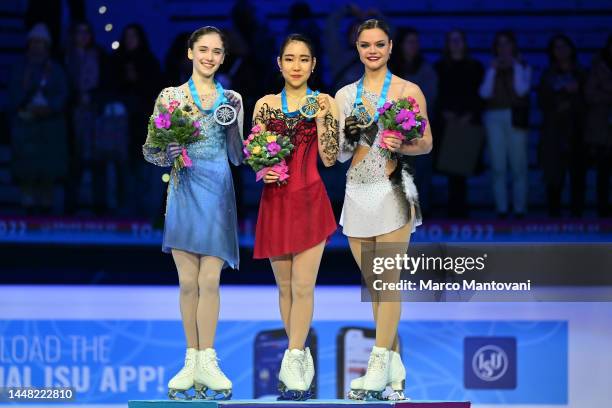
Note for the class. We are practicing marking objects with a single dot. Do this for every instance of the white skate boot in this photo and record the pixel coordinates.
(182, 382)
(309, 370)
(291, 384)
(397, 378)
(209, 377)
(377, 376)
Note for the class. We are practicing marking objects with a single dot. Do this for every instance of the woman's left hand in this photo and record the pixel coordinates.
(233, 100)
(393, 143)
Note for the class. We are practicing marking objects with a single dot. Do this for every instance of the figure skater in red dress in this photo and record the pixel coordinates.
(296, 218)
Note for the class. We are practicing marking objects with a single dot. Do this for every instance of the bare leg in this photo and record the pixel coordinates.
(389, 311)
(188, 265)
(281, 266)
(208, 301)
(355, 245)
(303, 278)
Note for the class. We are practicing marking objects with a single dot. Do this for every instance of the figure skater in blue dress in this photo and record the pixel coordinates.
(201, 227)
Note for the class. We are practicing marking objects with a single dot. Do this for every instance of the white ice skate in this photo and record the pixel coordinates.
(309, 370)
(180, 385)
(397, 378)
(291, 384)
(377, 375)
(210, 382)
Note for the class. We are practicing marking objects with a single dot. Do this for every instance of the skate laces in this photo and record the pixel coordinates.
(190, 362)
(295, 364)
(376, 361)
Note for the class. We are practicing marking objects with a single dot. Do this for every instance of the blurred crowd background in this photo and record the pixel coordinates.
(519, 95)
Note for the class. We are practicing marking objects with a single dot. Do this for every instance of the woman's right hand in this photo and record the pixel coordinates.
(351, 130)
(271, 177)
(173, 150)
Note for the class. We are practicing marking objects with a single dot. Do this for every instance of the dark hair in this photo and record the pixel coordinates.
(143, 45)
(446, 51)
(297, 37)
(398, 62)
(74, 28)
(551, 47)
(373, 23)
(195, 36)
(510, 36)
(605, 52)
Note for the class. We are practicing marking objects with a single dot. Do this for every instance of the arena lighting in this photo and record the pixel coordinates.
(115, 45)
(108, 27)
(102, 9)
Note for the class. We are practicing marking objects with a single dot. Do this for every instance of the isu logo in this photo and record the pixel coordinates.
(490, 363)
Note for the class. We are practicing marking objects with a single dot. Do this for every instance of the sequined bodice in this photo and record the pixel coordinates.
(213, 141)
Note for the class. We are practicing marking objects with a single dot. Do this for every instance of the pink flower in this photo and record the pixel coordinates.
(196, 125)
(251, 137)
(162, 121)
(173, 105)
(186, 159)
(411, 100)
(415, 107)
(256, 129)
(273, 148)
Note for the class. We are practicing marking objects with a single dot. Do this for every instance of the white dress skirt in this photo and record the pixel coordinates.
(373, 204)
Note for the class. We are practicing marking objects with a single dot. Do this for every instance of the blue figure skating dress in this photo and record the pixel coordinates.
(201, 205)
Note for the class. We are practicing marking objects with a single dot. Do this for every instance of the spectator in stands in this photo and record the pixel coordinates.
(505, 90)
(598, 134)
(36, 101)
(84, 63)
(251, 52)
(137, 77)
(458, 106)
(409, 63)
(177, 66)
(561, 99)
(343, 63)
(303, 22)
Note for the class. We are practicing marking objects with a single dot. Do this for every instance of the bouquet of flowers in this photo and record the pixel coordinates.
(402, 120)
(264, 151)
(173, 125)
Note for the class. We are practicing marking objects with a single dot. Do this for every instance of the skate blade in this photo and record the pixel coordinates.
(292, 395)
(396, 395)
(373, 396)
(180, 395)
(357, 395)
(208, 394)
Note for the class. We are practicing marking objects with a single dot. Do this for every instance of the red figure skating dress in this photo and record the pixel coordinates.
(296, 215)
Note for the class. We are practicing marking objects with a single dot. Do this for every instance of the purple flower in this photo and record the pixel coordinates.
(162, 121)
(246, 152)
(273, 148)
(385, 107)
(423, 126)
(403, 115)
